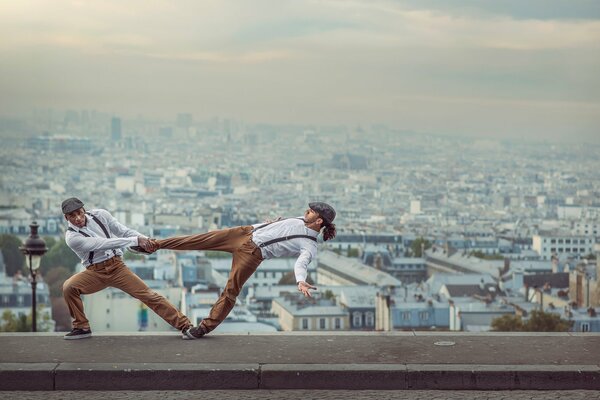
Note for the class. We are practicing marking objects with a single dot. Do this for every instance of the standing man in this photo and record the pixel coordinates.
(97, 238)
(250, 245)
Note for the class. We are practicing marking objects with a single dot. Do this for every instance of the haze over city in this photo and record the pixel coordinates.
(510, 69)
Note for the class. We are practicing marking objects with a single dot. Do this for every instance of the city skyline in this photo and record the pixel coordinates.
(495, 70)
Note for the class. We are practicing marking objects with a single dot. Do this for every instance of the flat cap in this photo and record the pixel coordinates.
(71, 204)
(325, 211)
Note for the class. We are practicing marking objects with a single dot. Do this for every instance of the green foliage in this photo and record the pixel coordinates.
(50, 241)
(10, 322)
(547, 322)
(328, 294)
(353, 252)
(60, 255)
(129, 256)
(507, 323)
(55, 279)
(415, 247)
(13, 258)
(539, 321)
(480, 254)
(290, 279)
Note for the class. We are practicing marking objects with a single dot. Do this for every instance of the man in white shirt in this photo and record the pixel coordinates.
(97, 238)
(250, 245)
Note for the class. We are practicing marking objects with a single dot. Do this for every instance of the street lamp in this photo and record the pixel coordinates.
(34, 248)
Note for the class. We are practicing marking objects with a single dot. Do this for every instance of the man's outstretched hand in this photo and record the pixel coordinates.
(305, 288)
(147, 244)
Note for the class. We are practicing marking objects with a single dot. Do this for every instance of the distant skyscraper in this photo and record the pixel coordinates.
(184, 120)
(115, 129)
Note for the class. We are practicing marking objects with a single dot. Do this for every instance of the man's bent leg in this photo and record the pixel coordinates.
(84, 282)
(124, 279)
(221, 240)
(244, 264)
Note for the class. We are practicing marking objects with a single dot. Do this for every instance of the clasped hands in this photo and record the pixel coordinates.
(147, 244)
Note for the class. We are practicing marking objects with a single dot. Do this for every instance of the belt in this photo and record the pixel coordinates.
(105, 262)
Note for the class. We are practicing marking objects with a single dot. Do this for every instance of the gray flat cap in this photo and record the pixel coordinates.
(71, 204)
(325, 211)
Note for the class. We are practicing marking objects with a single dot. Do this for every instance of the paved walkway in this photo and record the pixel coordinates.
(458, 361)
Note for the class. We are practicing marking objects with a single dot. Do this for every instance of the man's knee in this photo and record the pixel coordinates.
(68, 288)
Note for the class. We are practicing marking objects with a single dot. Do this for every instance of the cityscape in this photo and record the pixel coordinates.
(435, 232)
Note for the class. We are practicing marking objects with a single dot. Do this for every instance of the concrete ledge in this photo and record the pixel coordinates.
(27, 376)
(333, 376)
(503, 377)
(185, 376)
(429, 376)
(159, 376)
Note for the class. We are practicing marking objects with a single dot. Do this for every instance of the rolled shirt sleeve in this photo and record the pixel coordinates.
(81, 245)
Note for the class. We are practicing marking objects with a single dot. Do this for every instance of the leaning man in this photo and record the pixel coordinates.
(97, 238)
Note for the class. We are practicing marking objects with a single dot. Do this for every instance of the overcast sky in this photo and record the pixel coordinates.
(510, 68)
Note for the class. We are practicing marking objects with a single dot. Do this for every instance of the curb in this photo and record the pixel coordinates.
(171, 376)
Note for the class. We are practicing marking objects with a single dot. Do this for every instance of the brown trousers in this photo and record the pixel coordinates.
(114, 273)
(246, 259)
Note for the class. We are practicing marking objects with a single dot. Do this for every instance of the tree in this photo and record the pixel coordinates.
(507, 323)
(59, 255)
(547, 322)
(539, 321)
(50, 241)
(13, 258)
(55, 279)
(22, 323)
(417, 244)
(290, 279)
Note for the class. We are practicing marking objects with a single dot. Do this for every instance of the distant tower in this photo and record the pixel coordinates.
(184, 120)
(115, 129)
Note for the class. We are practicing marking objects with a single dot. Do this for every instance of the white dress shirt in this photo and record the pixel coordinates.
(303, 248)
(103, 247)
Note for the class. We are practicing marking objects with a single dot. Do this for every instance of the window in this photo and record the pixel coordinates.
(424, 315)
(553, 249)
(369, 319)
(304, 323)
(406, 315)
(568, 250)
(560, 241)
(338, 324)
(321, 323)
(585, 327)
(553, 241)
(20, 300)
(108, 310)
(357, 319)
(567, 241)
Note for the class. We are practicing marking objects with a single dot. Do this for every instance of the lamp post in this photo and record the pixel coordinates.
(34, 248)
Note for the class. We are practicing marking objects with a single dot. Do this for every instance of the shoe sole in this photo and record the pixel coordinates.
(84, 336)
(188, 336)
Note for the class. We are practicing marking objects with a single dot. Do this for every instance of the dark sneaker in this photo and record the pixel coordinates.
(193, 333)
(138, 250)
(78, 333)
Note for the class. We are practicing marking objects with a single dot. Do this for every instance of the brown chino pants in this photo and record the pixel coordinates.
(246, 259)
(114, 273)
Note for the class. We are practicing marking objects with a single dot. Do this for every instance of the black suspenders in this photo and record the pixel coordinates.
(281, 239)
(91, 255)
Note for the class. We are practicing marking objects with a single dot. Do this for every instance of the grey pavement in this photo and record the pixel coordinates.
(311, 360)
